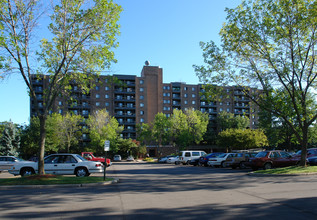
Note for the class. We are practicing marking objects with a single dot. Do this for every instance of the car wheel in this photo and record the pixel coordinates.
(27, 172)
(242, 165)
(267, 166)
(223, 164)
(81, 172)
(187, 163)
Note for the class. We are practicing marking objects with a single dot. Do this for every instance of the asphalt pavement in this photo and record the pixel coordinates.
(166, 191)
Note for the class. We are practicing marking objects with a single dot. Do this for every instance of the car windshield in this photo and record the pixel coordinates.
(261, 154)
(80, 157)
(19, 159)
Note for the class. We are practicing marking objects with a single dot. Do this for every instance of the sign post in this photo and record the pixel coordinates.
(107, 148)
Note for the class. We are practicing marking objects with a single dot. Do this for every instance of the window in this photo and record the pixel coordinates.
(107, 104)
(60, 103)
(141, 112)
(141, 89)
(166, 101)
(97, 96)
(97, 103)
(185, 95)
(220, 103)
(107, 96)
(60, 111)
(193, 95)
(228, 103)
(107, 88)
(166, 94)
(141, 104)
(141, 97)
(185, 88)
(141, 120)
(141, 81)
(193, 88)
(185, 102)
(228, 109)
(97, 88)
(220, 109)
(193, 102)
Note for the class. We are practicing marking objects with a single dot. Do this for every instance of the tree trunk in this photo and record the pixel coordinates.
(304, 147)
(42, 144)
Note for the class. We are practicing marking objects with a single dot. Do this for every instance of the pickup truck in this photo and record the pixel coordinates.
(90, 156)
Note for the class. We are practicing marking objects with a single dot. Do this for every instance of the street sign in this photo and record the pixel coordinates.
(107, 145)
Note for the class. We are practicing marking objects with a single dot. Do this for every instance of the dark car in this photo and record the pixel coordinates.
(312, 161)
(273, 159)
(203, 160)
(311, 152)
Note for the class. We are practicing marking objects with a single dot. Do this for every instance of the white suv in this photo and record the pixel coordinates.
(186, 156)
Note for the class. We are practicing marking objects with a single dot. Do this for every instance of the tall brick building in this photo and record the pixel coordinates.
(138, 99)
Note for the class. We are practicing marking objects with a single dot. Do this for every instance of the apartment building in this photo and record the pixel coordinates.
(133, 100)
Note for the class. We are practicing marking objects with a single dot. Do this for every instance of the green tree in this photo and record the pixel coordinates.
(144, 133)
(227, 120)
(270, 45)
(103, 127)
(67, 129)
(188, 127)
(10, 140)
(83, 34)
(241, 139)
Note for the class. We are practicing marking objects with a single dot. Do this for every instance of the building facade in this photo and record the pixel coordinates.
(133, 100)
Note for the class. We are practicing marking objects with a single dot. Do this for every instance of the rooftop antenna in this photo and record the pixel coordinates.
(147, 63)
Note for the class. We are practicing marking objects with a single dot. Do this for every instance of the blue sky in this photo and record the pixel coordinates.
(165, 32)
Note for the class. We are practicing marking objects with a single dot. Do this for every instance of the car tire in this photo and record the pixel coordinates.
(267, 166)
(242, 165)
(81, 172)
(27, 172)
(223, 164)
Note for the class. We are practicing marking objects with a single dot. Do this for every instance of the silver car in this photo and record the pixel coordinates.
(60, 164)
(6, 162)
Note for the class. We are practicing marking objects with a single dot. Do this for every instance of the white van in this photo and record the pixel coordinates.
(186, 156)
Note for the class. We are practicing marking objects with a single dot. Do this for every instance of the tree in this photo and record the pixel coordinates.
(227, 120)
(10, 140)
(241, 139)
(103, 127)
(270, 45)
(160, 130)
(144, 133)
(67, 129)
(83, 34)
(188, 128)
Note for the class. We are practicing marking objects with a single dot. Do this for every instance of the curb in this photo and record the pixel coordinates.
(114, 181)
(278, 175)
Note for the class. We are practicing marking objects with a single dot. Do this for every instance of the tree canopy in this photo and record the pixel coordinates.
(79, 43)
(270, 45)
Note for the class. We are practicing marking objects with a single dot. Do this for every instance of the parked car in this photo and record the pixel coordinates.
(164, 159)
(203, 160)
(312, 161)
(90, 156)
(174, 159)
(130, 158)
(186, 156)
(6, 162)
(220, 159)
(273, 159)
(311, 152)
(63, 164)
(117, 158)
(240, 160)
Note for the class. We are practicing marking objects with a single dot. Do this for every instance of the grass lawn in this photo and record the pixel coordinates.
(51, 180)
(290, 170)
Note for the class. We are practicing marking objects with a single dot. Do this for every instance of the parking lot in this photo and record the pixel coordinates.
(158, 191)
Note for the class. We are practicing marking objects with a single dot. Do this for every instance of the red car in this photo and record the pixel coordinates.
(273, 159)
